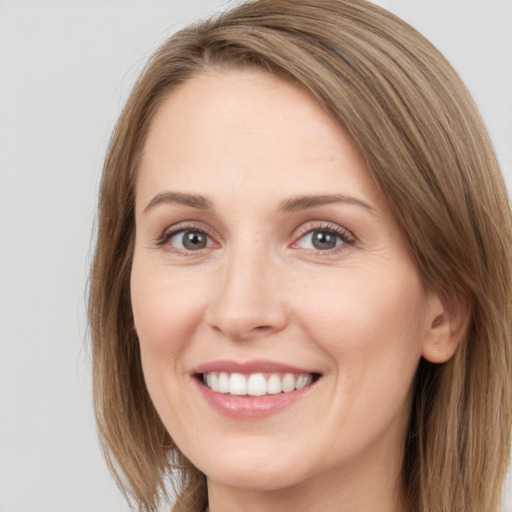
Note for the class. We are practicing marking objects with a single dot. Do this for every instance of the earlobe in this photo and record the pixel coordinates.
(446, 326)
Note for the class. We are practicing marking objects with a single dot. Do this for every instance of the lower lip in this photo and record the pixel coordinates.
(251, 408)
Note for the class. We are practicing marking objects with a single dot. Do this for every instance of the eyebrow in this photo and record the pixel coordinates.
(293, 204)
(192, 200)
(300, 203)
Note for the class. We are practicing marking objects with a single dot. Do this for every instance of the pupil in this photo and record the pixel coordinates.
(323, 240)
(194, 240)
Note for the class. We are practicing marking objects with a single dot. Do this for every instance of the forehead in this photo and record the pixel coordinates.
(227, 128)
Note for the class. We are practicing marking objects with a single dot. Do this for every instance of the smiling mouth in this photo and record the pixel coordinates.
(256, 384)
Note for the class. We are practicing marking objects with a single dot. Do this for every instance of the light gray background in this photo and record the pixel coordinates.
(66, 68)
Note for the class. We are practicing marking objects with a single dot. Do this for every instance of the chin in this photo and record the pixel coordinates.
(259, 477)
(250, 466)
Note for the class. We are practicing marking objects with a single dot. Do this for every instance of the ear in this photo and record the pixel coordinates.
(447, 322)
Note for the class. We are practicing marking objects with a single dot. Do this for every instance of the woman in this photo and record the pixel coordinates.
(300, 297)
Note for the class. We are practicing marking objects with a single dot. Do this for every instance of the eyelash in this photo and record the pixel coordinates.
(181, 228)
(347, 239)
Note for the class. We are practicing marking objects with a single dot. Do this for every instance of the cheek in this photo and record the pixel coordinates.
(372, 331)
(367, 322)
(165, 319)
(166, 311)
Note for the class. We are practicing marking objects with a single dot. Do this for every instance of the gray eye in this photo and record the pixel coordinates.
(190, 240)
(321, 240)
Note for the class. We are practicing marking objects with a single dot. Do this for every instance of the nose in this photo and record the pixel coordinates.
(249, 303)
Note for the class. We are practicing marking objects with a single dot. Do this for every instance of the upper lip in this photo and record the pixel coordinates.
(254, 366)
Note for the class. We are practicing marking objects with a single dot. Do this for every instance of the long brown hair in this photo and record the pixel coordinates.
(428, 151)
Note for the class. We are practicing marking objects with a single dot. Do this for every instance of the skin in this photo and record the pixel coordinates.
(357, 314)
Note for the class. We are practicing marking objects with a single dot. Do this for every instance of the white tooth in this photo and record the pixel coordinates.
(223, 383)
(237, 384)
(274, 384)
(214, 382)
(256, 385)
(301, 381)
(309, 380)
(208, 378)
(288, 383)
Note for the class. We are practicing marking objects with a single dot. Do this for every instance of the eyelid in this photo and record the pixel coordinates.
(345, 234)
(173, 230)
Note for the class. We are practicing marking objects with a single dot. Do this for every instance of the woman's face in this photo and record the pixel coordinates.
(266, 260)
